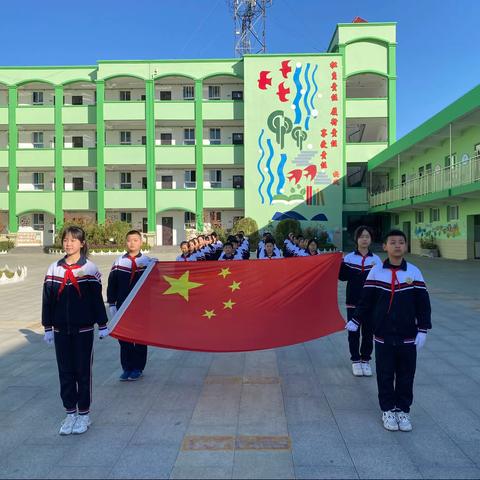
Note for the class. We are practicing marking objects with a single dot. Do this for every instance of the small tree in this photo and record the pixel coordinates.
(284, 227)
(249, 227)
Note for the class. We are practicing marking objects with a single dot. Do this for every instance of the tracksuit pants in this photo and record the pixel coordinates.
(133, 356)
(74, 352)
(395, 366)
(360, 351)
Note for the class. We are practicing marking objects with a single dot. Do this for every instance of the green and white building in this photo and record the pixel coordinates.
(169, 145)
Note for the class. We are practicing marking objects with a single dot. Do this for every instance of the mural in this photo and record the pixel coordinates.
(439, 231)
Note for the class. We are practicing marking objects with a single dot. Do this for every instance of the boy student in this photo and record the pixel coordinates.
(126, 271)
(185, 256)
(354, 270)
(395, 298)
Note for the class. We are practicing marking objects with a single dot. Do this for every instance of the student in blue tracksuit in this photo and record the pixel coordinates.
(72, 303)
(125, 273)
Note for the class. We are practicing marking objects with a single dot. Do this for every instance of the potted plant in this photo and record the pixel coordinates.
(428, 247)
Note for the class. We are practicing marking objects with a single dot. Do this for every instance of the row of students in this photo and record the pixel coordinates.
(389, 303)
(202, 247)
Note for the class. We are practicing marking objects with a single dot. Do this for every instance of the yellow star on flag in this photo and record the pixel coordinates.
(209, 314)
(228, 304)
(181, 285)
(224, 272)
(235, 286)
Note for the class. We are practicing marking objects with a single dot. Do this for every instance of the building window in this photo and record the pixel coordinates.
(144, 139)
(190, 179)
(452, 212)
(77, 142)
(214, 92)
(143, 98)
(237, 95)
(165, 95)
(476, 150)
(450, 161)
(404, 178)
(144, 224)
(125, 180)
(38, 140)
(428, 168)
(215, 136)
(166, 139)
(215, 218)
(38, 181)
(37, 98)
(77, 183)
(421, 171)
(356, 174)
(190, 220)
(188, 92)
(125, 138)
(189, 136)
(396, 219)
(126, 217)
(38, 221)
(434, 215)
(77, 100)
(238, 181)
(215, 179)
(237, 138)
(419, 216)
(144, 183)
(125, 95)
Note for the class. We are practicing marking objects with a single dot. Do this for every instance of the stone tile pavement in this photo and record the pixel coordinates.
(294, 412)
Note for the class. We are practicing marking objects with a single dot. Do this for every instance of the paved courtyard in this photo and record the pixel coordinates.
(294, 412)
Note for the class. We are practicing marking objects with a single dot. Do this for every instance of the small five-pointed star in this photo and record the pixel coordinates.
(209, 314)
(235, 286)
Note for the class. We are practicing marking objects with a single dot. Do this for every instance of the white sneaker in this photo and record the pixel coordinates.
(390, 420)
(357, 369)
(366, 369)
(67, 424)
(82, 424)
(404, 423)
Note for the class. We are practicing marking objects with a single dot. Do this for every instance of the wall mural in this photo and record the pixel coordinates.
(439, 231)
(294, 146)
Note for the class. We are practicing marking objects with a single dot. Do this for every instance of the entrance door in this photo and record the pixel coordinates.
(407, 231)
(167, 230)
(167, 181)
(166, 138)
(476, 235)
(145, 225)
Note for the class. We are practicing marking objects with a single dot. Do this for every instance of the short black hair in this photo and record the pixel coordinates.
(183, 243)
(270, 240)
(133, 232)
(394, 233)
(79, 234)
(227, 244)
(359, 230)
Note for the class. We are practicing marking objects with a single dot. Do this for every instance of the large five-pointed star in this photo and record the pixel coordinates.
(181, 285)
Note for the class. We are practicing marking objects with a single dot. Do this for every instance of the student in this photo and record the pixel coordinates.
(312, 248)
(72, 304)
(396, 299)
(125, 272)
(185, 256)
(269, 251)
(354, 270)
(229, 252)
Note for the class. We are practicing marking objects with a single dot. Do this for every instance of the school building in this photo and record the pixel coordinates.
(169, 145)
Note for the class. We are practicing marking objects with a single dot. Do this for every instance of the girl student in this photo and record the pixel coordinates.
(72, 304)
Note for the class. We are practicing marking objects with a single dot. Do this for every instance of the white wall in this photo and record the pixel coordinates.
(113, 94)
(113, 178)
(177, 90)
(25, 138)
(25, 180)
(225, 134)
(225, 89)
(3, 139)
(227, 176)
(88, 179)
(113, 136)
(177, 134)
(178, 226)
(25, 97)
(88, 138)
(88, 96)
(137, 217)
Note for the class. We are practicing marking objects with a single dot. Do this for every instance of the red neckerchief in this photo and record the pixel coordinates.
(364, 257)
(392, 285)
(134, 267)
(69, 276)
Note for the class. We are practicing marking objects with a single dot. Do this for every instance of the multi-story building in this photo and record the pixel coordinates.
(167, 145)
(428, 183)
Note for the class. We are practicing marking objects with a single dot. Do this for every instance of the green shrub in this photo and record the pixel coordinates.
(250, 228)
(6, 245)
(284, 227)
(428, 243)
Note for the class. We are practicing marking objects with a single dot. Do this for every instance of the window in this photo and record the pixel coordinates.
(452, 212)
(144, 139)
(214, 92)
(476, 150)
(77, 100)
(38, 181)
(165, 95)
(143, 98)
(428, 168)
(404, 178)
(215, 218)
(450, 162)
(125, 180)
(38, 221)
(215, 178)
(165, 139)
(77, 142)
(419, 216)
(190, 220)
(125, 95)
(421, 171)
(144, 224)
(190, 179)
(126, 217)
(37, 140)
(356, 174)
(237, 95)
(238, 181)
(125, 138)
(189, 136)
(37, 98)
(215, 136)
(237, 138)
(144, 183)
(396, 219)
(188, 92)
(77, 183)
(96, 180)
(434, 215)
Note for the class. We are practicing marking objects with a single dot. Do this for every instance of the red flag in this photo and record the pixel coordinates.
(232, 305)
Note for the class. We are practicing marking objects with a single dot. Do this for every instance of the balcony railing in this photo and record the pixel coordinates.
(462, 173)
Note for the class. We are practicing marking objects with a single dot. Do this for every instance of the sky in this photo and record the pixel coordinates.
(437, 53)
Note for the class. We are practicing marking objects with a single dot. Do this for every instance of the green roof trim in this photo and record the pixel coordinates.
(465, 104)
(177, 60)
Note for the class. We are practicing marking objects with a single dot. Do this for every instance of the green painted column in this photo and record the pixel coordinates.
(12, 160)
(392, 94)
(199, 154)
(58, 157)
(100, 152)
(150, 150)
(341, 50)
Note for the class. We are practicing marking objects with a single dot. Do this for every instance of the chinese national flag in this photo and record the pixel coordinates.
(232, 306)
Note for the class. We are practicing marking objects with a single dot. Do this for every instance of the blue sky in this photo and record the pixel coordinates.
(437, 53)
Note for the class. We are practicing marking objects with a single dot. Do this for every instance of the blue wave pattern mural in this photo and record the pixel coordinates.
(307, 94)
(259, 165)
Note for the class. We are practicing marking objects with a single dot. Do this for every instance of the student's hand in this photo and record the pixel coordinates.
(48, 337)
(420, 340)
(112, 310)
(103, 332)
(351, 326)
